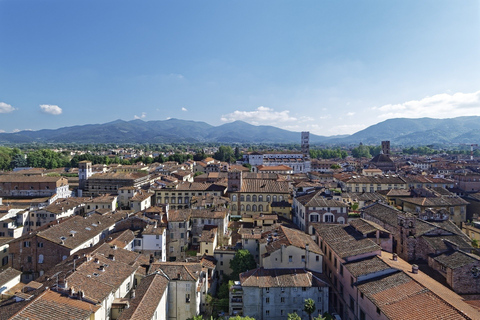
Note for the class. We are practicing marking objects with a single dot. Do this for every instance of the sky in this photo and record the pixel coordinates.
(328, 67)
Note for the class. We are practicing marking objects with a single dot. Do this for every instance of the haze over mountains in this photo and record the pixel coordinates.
(400, 131)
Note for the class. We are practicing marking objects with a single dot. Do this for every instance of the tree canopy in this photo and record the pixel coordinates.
(241, 262)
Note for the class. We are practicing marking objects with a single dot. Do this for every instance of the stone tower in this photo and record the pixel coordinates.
(234, 181)
(306, 144)
(84, 172)
(386, 147)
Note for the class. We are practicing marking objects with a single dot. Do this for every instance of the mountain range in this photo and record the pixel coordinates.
(400, 131)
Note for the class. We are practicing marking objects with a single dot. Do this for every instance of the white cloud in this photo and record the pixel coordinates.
(442, 105)
(6, 108)
(142, 116)
(262, 115)
(168, 118)
(184, 109)
(51, 109)
(2, 131)
(350, 114)
(18, 130)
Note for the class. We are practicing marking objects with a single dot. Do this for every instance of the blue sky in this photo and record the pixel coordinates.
(331, 67)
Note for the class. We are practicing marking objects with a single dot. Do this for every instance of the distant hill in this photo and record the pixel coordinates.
(423, 131)
(400, 131)
(162, 131)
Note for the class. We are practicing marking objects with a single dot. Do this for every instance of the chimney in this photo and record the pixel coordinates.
(414, 268)
(102, 268)
(394, 257)
(96, 260)
(111, 257)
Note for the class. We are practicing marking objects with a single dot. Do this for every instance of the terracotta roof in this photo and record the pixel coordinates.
(437, 202)
(270, 278)
(179, 215)
(7, 275)
(367, 266)
(208, 213)
(365, 226)
(75, 231)
(121, 239)
(345, 240)
(289, 237)
(148, 295)
(378, 179)
(178, 270)
(383, 212)
(441, 302)
(208, 234)
(53, 305)
(315, 199)
(456, 259)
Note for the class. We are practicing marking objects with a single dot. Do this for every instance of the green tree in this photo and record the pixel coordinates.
(238, 155)
(293, 316)
(18, 161)
(225, 153)
(241, 262)
(241, 318)
(475, 243)
(309, 307)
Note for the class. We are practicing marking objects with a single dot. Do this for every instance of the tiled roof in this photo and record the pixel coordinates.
(53, 305)
(264, 186)
(367, 266)
(315, 199)
(77, 230)
(437, 202)
(148, 295)
(118, 176)
(7, 275)
(208, 234)
(365, 226)
(121, 239)
(400, 298)
(378, 179)
(383, 212)
(179, 215)
(457, 259)
(20, 178)
(289, 237)
(208, 213)
(189, 271)
(270, 278)
(345, 240)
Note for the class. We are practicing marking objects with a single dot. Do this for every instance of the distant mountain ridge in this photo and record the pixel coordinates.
(400, 131)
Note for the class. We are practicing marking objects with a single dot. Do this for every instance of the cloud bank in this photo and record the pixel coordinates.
(262, 115)
(442, 105)
(6, 108)
(51, 109)
(142, 116)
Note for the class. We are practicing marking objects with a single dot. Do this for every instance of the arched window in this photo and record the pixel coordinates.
(254, 208)
(243, 207)
(248, 207)
(328, 217)
(40, 258)
(260, 208)
(274, 198)
(269, 198)
(248, 198)
(341, 220)
(281, 198)
(254, 198)
(234, 207)
(234, 197)
(260, 198)
(242, 198)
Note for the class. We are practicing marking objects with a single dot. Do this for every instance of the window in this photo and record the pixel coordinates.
(267, 300)
(378, 310)
(267, 312)
(303, 258)
(267, 290)
(317, 258)
(290, 258)
(26, 244)
(282, 299)
(351, 282)
(40, 258)
(352, 303)
(40, 244)
(335, 262)
(187, 298)
(29, 259)
(182, 235)
(341, 269)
